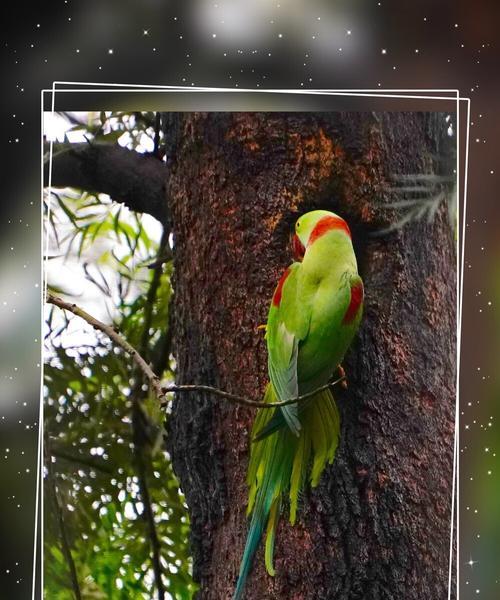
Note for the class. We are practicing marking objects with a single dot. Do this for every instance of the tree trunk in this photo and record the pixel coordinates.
(378, 525)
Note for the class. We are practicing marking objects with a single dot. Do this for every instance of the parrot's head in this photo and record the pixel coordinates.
(313, 225)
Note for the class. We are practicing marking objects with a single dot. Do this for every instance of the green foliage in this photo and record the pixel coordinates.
(91, 388)
(420, 197)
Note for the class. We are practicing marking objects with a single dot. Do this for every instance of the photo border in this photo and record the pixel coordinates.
(404, 93)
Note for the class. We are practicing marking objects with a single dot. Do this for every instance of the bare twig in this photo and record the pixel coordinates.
(234, 398)
(115, 337)
(154, 380)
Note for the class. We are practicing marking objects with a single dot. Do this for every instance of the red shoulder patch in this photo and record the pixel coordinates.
(327, 224)
(279, 288)
(357, 295)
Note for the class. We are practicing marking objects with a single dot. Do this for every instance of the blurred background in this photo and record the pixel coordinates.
(278, 44)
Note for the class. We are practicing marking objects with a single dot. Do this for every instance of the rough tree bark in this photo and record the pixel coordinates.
(378, 525)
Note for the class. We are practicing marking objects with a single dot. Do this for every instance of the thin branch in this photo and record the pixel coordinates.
(154, 380)
(115, 337)
(235, 399)
(151, 296)
(144, 492)
(62, 526)
(162, 259)
(81, 459)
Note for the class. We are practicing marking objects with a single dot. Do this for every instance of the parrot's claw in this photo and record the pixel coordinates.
(264, 327)
(342, 373)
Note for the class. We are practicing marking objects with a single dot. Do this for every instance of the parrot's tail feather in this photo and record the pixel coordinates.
(299, 470)
(252, 543)
(272, 524)
(322, 422)
(319, 440)
(268, 474)
(281, 461)
(276, 422)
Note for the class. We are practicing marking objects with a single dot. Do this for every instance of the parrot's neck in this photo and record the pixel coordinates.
(330, 256)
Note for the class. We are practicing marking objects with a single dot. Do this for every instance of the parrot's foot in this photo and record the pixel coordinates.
(341, 372)
(264, 327)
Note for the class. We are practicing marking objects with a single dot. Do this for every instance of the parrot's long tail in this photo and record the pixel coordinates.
(280, 461)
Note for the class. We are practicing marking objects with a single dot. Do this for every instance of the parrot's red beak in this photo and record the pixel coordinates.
(298, 248)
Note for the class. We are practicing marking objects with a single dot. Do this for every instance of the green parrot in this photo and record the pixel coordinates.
(315, 312)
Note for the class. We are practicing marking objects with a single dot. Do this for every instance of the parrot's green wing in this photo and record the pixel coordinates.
(349, 300)
(287, 325)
